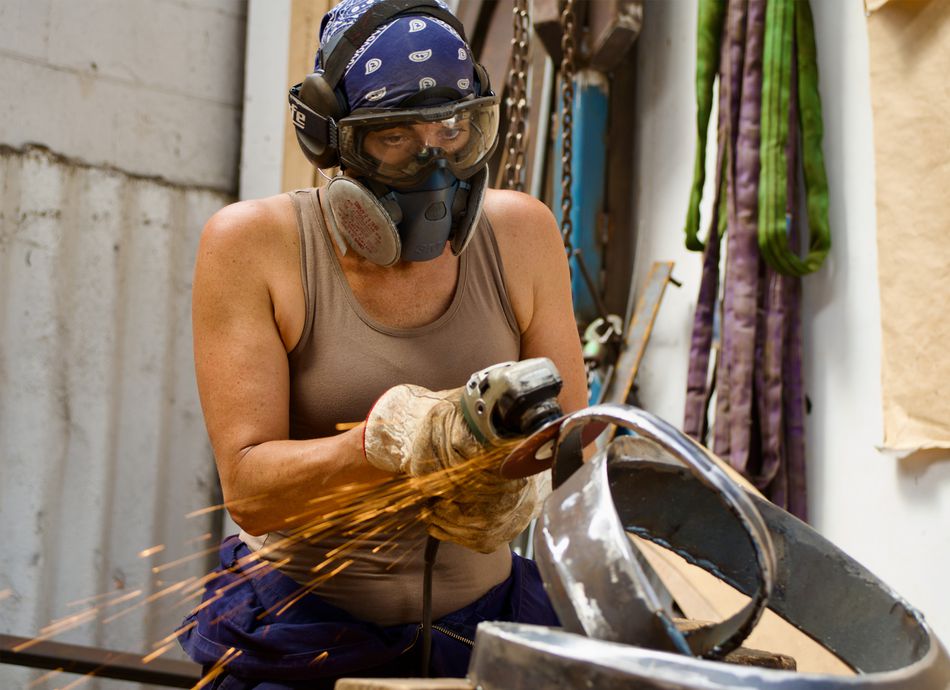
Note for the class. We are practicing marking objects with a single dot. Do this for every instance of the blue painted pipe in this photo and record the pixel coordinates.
(588, 185)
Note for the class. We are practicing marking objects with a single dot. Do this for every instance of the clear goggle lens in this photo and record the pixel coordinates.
(403, 147)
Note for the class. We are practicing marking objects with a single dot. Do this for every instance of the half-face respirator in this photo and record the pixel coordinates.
(416, 179)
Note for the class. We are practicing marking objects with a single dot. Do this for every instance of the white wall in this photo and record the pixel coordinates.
(265, 98)
(892, 515)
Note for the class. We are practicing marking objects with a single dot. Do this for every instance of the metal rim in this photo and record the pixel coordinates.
(716, 640)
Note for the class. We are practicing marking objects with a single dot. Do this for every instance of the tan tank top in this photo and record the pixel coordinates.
(344, 361)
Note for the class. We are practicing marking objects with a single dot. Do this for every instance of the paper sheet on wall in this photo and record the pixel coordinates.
(909, 43)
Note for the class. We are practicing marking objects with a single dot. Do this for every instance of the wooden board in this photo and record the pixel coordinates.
(303, 41)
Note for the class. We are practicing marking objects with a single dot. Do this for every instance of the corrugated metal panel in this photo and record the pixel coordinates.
(103, 451)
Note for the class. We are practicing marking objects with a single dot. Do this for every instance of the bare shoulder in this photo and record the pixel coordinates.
(249, 261)
(539, 285)
(532, 253)
(519, 218)
(253, 244)
(525, 229)
(251, 227)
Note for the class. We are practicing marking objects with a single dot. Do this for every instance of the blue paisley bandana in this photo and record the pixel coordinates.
(408, 55)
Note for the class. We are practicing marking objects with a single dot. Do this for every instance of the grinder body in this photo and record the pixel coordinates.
(511, 399)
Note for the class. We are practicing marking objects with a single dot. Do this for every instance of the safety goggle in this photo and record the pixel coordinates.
(401, 148)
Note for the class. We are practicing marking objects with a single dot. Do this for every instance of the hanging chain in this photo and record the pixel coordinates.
(516, 140)
(567, 122)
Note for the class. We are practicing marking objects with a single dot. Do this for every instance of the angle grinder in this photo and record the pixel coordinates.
(511, 399)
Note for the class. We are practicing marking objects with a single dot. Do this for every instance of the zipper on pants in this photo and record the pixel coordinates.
(454, 636)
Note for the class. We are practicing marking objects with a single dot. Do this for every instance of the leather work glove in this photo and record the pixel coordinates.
(415, 431)
(485, 522)
(412, 430)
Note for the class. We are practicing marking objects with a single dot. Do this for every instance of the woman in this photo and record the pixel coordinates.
(313, 310)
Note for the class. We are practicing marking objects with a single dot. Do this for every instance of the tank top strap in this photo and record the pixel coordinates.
(315, 256)
(486, 261)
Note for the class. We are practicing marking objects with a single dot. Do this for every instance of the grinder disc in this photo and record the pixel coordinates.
(534, 454)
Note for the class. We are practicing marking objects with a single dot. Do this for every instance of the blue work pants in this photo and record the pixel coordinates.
(313, 643)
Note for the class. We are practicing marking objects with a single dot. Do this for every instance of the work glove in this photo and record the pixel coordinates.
(412, 430)
(484, 521)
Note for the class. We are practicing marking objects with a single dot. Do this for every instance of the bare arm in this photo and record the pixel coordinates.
(242, 371)
(539, 285)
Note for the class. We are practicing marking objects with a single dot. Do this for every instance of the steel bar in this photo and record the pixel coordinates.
(514, 656)
(618, 388)
(102, 663)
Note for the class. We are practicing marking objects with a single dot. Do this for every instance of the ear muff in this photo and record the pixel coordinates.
(484, 82)
(318, 145)
(320, 95)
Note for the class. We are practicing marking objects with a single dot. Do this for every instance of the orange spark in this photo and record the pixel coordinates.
(319, 658)
(96, 597)
(175, 635)
(151, 551)
(45, 677)
(79, 681)
(204, 511)
(185, 559)
(218, 667)
(53, 630)
(171, 588)
(157, 653)
(303, 591)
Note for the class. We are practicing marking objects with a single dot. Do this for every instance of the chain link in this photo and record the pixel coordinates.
(567, 122)
(516, 140)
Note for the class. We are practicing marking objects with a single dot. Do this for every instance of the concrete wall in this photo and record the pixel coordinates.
(150, 87)
(119, 137)
(892, 515)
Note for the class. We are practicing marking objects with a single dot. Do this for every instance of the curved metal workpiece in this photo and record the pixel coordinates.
(595, 582)
(536, 453)
(512, 656)
(601, 565)
(817, 588)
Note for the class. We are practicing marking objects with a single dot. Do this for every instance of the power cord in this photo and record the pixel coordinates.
(432, 547)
